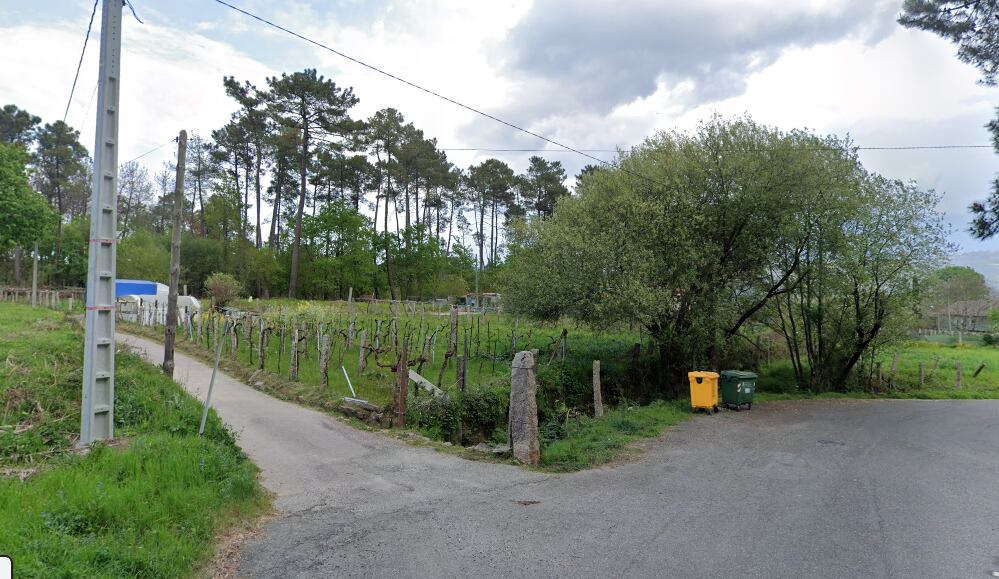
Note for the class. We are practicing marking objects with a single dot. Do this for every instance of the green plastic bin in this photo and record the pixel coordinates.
(737, 389)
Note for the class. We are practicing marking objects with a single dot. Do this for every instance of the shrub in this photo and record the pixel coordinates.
(477, 415)
(223, 288)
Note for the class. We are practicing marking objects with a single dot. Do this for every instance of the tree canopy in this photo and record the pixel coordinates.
(696, 234)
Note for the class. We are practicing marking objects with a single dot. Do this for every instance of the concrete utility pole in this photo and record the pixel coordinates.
(178, 216)
(97, 412)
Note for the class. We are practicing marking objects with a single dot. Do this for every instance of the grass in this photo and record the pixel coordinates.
(939, 362)
(589, 442)
(148, 505)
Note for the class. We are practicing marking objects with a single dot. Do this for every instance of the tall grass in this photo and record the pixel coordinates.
(149, 505)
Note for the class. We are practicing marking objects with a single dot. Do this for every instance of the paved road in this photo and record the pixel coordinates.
(798, 489)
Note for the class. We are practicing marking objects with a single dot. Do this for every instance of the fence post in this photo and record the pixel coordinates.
(957, 385)
(324, 363)
(598, 401)
(293, 371)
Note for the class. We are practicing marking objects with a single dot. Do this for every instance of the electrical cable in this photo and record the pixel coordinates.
(153, 150)
(79, 64)
(431, 92)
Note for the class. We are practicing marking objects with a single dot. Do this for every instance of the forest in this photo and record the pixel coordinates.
(295, 197)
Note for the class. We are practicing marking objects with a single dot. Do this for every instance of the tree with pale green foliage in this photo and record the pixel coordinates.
(695, 234)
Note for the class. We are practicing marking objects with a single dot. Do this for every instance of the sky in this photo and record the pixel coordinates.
(592, 74)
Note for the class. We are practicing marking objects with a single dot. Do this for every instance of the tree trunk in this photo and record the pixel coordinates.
(296, 244)
(259, 155)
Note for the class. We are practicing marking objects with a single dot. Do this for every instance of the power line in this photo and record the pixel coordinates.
(153, 150)
(897, 148)
(431, 92)
(923, 147)
(79, 64)
(488, 150)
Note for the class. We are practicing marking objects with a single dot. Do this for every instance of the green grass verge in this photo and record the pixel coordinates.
(589, 442)
(149, 505)
(939, 363)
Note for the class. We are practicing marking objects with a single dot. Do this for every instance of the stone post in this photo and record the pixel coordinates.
(523, 426)
(598, 399)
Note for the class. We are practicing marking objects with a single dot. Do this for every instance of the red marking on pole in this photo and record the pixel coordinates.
(100, 308)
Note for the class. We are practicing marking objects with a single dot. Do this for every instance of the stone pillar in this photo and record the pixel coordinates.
(523, 426)
(598, 399)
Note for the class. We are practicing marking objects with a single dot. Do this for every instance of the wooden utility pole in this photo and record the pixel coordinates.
(178, 216)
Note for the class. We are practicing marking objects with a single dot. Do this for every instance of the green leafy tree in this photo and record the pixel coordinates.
(26, 213)
(954, 291)
(343, 256)
(317, 109)
(543, 185)
(62, 175)
(143, 255)
(17, 126)
(860, 279)
(691, 238)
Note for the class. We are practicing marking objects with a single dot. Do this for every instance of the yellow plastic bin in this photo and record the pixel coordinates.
(704, 391)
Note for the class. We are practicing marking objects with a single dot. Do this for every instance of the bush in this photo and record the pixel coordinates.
(988, 340)
(477, 415)
(223, 288)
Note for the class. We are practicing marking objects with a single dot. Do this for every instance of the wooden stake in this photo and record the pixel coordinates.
(324, 363)
(957, 385)
(293, 371)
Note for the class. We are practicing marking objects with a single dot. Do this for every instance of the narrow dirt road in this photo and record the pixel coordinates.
(801, 489)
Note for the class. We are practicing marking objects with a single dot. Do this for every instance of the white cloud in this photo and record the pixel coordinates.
(171, 80)
(906, 88)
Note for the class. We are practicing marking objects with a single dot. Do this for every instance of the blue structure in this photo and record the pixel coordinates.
(138, 287)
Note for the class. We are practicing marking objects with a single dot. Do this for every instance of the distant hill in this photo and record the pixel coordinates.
(984, 262)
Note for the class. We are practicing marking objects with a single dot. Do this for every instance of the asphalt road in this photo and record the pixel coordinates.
(795, 489)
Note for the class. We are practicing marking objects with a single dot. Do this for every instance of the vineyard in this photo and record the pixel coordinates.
(459, 360)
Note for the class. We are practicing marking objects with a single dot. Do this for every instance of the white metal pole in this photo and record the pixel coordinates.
(97, 416)
(215, 369)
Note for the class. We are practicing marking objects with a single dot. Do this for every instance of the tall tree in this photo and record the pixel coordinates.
(201, 169)
(26, 214)
(318, 109)
(384, 132)
(17, 125)
(257, 127)
(973, 25)
(135, 192)
(543, 185)
(61, 174)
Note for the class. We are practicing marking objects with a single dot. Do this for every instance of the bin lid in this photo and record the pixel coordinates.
(739, 375)
(702, 374)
